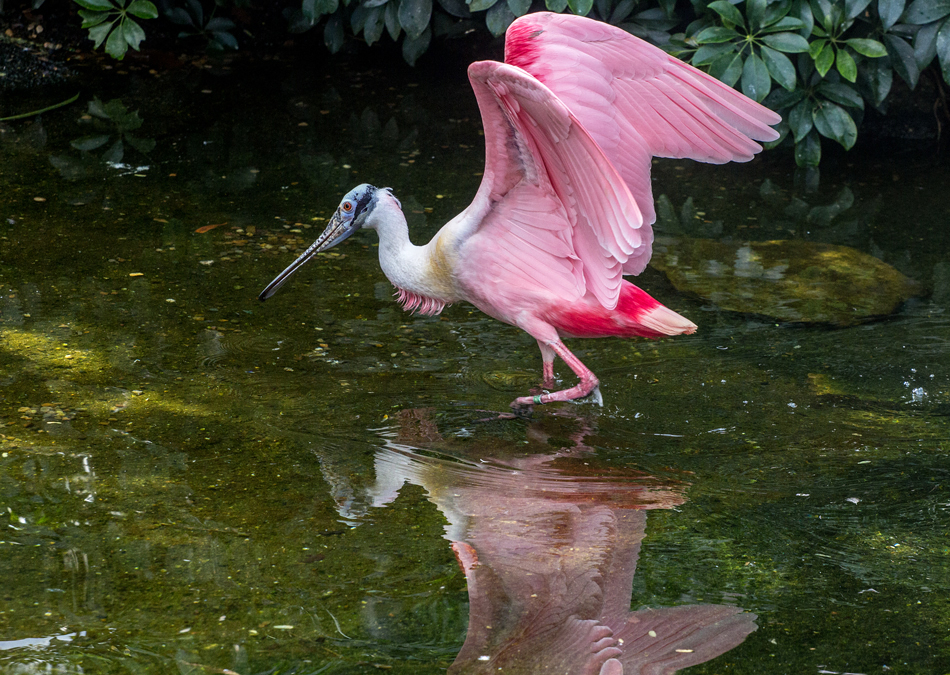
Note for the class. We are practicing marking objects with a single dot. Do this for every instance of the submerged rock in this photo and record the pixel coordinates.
(791, 280)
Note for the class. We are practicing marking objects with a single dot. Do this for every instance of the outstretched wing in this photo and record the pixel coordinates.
(551, 210)
(637, 101)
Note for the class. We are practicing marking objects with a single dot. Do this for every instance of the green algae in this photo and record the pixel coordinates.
(789, 280)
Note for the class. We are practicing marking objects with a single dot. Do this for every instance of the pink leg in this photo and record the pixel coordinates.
(547, 365)
(588, 381)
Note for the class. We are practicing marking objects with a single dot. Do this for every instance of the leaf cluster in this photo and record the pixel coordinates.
(820, 63)
(113, 22)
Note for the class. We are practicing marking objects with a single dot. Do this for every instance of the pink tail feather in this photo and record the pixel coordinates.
(637, 314)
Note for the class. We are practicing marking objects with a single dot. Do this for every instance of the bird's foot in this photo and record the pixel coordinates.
(596, 397)
(587, 387)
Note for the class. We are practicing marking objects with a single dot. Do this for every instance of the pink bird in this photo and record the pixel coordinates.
(572, 121)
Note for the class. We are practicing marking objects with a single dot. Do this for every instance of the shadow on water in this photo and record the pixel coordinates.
(191, 481)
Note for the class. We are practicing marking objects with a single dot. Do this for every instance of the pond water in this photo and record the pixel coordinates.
(193, 481)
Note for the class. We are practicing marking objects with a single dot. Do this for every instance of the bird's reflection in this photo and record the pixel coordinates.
(549, 550)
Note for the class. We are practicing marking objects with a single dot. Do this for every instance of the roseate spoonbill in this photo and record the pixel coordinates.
(572, 120)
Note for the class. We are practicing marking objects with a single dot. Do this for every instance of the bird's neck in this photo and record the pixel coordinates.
(422, 274)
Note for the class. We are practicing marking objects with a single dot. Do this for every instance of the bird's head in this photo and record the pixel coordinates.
(354, 212)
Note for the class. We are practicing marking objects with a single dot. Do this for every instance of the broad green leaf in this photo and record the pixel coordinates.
(832, 121)
(925, 11)
(369, 4)
(780, 68)
(196, 11)
(709, 53)
(98, 33)
(87, 143)
(825, 60)
(782, 98)
(358, 19)
(854, 8)
(668, 7)
(307, 8)
(842, 93)
(482, 5)
(801, 9)
(391, 20)
(143, 9)
(499, 18)
(925, 44)
(623, 9)
(815, 48)
(226, 40)
(787, 23)
(727, 68)
(790, 43)
(776, 11)
(413, 48)
(846, 65)
(373, 25)
(730, 15)
(456, 8)
(756, 81)
(414, 16)
(333, 34)
(822, 10)
(890, 11)
(716, 34)
(877, 76)
(755, 13)
(116, 46)
(556, 5)
(179, 16)
(943, 49)
(220, 24)
(519, 7)
(902, 59)
(801, 120)
(579, 7)
(98, 5)
(808, 150)
(132, 33)
(90, 18)
(870, 48)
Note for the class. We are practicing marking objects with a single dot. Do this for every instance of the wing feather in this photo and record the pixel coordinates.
(637, 102)
(548, 191)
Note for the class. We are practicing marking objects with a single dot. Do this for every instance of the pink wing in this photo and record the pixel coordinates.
(549, 194)
(637, 101)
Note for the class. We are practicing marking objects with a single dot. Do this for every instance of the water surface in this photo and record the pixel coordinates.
(194, 481)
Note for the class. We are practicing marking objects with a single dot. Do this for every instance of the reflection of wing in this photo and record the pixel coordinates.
(637, 101)
(685, 636)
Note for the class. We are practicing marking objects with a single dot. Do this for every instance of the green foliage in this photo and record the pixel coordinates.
(820, 63)
(111, 21)
(114, 123)
(217, 30)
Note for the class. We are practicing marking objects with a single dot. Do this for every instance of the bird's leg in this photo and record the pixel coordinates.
(547, 361)
(588, 381)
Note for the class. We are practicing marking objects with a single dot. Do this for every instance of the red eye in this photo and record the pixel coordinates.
(347, 206)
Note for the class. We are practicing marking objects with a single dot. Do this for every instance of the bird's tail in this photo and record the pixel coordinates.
(647, 317)
(637, 314)
(665, 321)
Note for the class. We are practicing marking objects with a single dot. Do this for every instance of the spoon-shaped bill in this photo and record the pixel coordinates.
(340, 227)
